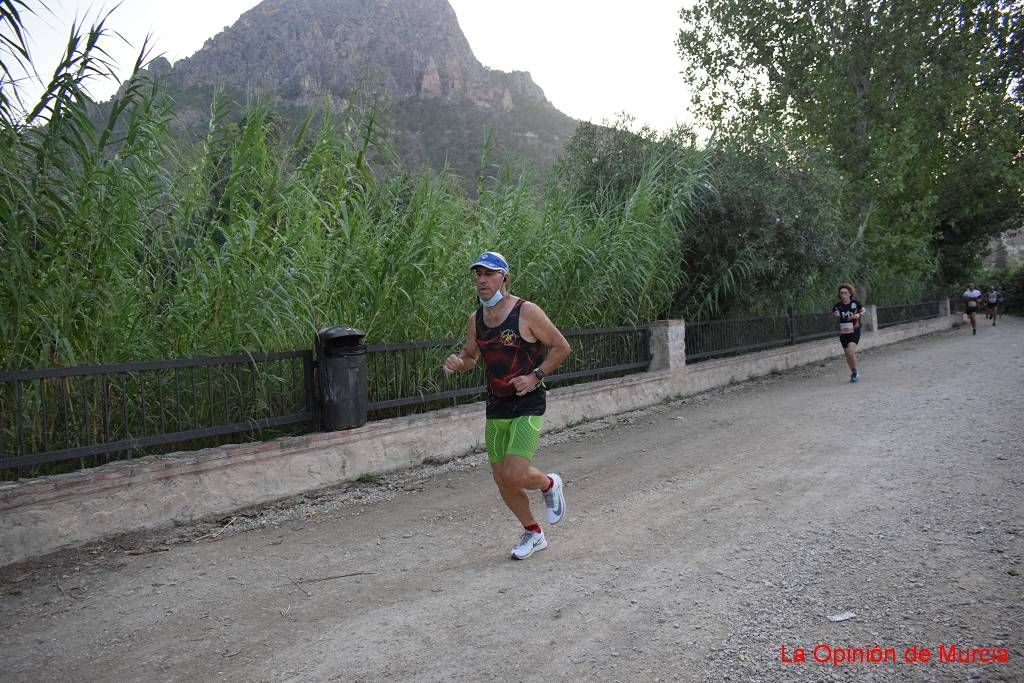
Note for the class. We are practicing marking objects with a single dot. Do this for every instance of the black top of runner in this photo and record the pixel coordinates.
(847, 311)
(506, 354)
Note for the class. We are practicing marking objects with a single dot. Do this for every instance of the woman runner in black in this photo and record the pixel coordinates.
(848, 310)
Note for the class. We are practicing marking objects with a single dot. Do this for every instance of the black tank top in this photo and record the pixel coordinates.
(507, 355)
(846, 313)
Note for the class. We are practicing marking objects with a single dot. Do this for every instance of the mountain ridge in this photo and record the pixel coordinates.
(443, 100)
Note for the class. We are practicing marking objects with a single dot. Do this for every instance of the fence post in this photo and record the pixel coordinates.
(668, 345)
(872, 317)
(311, 386)
(944, 307)
(790, 325)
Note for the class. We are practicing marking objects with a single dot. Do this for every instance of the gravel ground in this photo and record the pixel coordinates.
(703, 536)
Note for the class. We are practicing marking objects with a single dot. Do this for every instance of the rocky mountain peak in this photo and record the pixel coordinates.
(304, 49)
(443, 103)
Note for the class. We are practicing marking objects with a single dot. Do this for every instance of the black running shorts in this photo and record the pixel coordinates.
(847, 339)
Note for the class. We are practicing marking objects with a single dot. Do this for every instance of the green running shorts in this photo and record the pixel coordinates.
(515, 436)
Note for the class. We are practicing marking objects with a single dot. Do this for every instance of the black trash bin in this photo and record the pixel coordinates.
(341, 359)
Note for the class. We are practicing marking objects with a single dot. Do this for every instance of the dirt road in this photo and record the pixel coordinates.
(703, 536)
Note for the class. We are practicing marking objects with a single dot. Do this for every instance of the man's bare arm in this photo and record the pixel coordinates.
(539, 326)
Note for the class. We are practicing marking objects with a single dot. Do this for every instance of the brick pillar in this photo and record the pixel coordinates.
(668, 345)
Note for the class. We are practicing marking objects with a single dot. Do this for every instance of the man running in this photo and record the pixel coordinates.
(992, 305)
(848, 310)
(971, 297)
(511, 333)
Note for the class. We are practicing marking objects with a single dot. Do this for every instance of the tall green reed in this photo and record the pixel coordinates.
(125, 243)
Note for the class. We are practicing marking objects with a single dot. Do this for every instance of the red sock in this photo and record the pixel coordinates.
(551, 482)
(535, 528)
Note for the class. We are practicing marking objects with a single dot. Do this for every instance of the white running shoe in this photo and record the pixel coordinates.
(554, 500)
(530, 543)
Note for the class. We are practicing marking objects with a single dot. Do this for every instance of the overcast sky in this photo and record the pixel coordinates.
(594, 59)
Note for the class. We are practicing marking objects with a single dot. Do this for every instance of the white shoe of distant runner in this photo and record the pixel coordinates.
(530, 543)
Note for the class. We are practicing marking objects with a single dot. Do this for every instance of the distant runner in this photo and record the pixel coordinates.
(992, 305)
(511, 333)
(848, 310)
(972, 297)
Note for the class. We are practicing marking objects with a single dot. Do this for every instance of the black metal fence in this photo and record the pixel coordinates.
(69, 413)
(407, 377)
(717, 338)
(813, 326)
(905, 313)
(60, 414)
(720, 338)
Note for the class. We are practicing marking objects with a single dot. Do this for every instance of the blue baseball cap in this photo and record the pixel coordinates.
(492, 260)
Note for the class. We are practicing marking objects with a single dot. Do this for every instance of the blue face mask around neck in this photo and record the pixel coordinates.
(493, 301)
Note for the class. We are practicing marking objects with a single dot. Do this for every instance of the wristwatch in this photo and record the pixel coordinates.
(539, 374)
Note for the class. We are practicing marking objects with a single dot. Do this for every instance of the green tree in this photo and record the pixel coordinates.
(769, 232)
(907, 100)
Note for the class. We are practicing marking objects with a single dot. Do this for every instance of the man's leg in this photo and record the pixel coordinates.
(514, 476)
(512, 470)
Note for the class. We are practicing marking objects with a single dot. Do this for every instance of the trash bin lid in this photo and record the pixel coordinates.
(341, 335)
